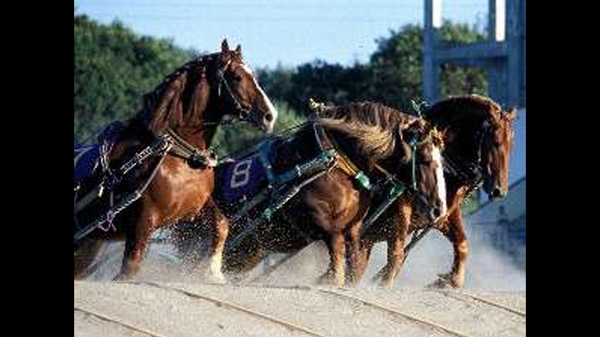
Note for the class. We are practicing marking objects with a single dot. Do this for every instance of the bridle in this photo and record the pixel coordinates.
(241, 114)
(470, 174)
(414, 143)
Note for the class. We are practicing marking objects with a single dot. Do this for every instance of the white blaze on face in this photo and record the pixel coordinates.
(439, 177)
(269, 125)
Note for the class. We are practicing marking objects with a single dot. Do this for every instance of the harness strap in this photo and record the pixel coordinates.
(343, 162)
(87, 199)
(242, 112)
(468, 174)
(393, 190)
(123, 204)
(197, 158)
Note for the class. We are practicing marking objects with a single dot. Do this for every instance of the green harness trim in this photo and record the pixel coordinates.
(393, 189)
(363, 180)
(413, 173)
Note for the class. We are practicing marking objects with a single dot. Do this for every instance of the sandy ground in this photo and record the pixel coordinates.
(185, 309)
(164, 302)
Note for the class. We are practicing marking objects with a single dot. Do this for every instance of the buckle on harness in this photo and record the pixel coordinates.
(199, 160)
(363, 180)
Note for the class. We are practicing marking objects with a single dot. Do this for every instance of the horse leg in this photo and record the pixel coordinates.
(135, 245)
(395, 248)
(238, 263)
(359, 256)
(337, 261)
(362, 261)
(220, 232)
(84, 256)
(455, 233)
(395, 258)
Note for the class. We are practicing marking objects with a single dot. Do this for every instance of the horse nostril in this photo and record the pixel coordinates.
(269, 117)
(436, 212)
(496, 193)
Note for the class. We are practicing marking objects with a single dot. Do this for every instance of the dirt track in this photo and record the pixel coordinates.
(186, 309)
(164, 302)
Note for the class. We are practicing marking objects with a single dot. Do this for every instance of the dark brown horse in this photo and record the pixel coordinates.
(478, 139)
(333, 206)
(187, 107)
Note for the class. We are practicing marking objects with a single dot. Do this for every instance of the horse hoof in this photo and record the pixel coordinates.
(329, 281)
(215, 279)
(351, 284)
(386, 284)
(324, 279)
(444, 281)
(438, 284)
(121, 277)
(338, 283)
(450, 280)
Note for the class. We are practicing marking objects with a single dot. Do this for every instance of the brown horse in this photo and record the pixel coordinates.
(333, 206)
(478, 139)
(187, 107)
(394, 224)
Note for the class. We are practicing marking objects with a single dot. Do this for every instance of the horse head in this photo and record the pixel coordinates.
(427, 170)
(497, 141)
(239, 92)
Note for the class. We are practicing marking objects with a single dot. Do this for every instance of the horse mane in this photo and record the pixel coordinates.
(175, 98)
(376, 127)
(471, 106)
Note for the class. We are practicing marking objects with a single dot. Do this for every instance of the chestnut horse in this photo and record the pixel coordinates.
(187, 106)
(478, 139)
(333, 206)
(394, 224)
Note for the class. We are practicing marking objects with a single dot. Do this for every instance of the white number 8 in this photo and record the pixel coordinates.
(241, 173)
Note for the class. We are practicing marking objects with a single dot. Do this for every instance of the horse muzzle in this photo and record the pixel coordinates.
(496, 193)
(269, 122)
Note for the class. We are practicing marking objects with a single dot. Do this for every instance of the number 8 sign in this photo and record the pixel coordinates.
(241, 174)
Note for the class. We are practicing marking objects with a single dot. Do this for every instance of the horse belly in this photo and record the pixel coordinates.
(333, 202)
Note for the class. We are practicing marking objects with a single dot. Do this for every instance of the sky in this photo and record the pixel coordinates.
(272, 32)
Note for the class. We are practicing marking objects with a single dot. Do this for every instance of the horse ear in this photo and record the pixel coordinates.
(511, 114)
(238, 50)
(224, 46)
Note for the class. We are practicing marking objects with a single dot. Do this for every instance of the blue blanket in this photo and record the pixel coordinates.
(242, 177)
(85, 162)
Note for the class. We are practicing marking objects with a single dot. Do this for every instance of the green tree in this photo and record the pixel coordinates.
(397, 66)
(113, 68)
